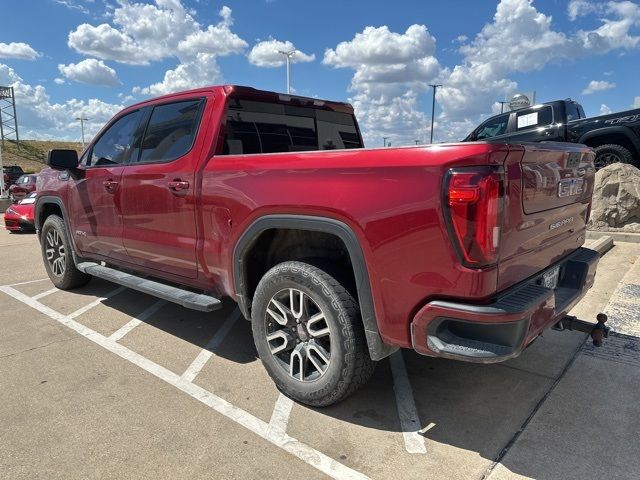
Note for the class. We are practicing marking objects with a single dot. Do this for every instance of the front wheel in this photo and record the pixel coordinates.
(308, 333)
(56, 253)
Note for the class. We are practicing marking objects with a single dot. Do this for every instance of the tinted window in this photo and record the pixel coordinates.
(23, 179)
(114, 145)
(573, 112)
(261, 127)
(495, 126)
(536, 117)
(171, 131)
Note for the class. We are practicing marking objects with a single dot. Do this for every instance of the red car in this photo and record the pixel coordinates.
(338, 254)
(23, 187)
(19, 217)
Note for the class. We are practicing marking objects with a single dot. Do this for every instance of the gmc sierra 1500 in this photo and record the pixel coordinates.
(338, 255)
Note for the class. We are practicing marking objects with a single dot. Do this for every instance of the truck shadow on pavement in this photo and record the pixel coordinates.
(470, 407)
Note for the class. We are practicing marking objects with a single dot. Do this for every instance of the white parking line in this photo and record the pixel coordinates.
(97, 302)
(44, 294)
(277, 428)
(28, 282)
(146, 313)
(304, 452)
(409, 420)
(207, 352)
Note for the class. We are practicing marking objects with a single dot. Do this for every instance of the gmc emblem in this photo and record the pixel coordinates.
(570, 187)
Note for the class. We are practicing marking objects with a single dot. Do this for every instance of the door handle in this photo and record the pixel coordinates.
(178, 185)
(110, 185)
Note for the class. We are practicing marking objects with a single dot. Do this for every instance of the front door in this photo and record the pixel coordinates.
(158, 191)
(95, 192)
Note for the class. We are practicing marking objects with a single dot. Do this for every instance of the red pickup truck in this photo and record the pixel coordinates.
(338, 255)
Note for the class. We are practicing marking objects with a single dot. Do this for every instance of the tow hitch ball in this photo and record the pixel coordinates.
(598, 332)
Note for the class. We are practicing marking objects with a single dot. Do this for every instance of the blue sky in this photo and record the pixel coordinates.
(90, 57)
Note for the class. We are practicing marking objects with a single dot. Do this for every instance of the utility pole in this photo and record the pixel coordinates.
(384, 141)
(82, 120)
(502, 104)
(2, 192)
(417, 141)
(288, 54)
(433, 107)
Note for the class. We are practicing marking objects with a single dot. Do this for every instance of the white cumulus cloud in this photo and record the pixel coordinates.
(19, 50)
(266, 53)
(605, 110)
(90, 71)
(40, 118)
(636, 102)
(598, 86)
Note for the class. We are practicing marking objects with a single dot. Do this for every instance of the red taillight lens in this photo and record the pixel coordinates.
(474, 200)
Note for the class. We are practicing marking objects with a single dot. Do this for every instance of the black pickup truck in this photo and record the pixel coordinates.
(614, 137)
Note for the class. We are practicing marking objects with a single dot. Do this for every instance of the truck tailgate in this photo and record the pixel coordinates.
(547, 202)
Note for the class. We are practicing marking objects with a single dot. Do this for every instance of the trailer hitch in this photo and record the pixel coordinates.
(598, 331)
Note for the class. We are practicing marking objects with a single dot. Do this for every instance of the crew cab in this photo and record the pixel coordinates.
(337, 254)
(615, 137)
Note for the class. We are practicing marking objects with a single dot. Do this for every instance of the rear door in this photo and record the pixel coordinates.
(94, 195)
(159, 190)
(536, 124)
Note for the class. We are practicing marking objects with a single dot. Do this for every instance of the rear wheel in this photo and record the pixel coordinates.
(611, 153)
(56, 253)
(308, 333)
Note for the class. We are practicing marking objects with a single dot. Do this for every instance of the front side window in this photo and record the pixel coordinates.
(114, 146)
(494, 127)
(262, 127)
(171, 131)
(573, 113)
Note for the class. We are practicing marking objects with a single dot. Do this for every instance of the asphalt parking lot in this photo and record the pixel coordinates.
(106, 382)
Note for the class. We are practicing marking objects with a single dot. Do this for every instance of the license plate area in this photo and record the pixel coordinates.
(550, 278)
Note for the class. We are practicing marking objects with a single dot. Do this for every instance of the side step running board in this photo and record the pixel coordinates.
(194, 301)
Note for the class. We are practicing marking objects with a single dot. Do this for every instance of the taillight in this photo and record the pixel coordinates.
(473, 198)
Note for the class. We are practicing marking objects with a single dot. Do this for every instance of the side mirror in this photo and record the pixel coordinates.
(62, 159)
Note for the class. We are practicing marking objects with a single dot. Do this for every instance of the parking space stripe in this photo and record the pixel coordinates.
(279, 422)
(97, 302)
(407, 412)
(28, 282)
(207, 352)
(304, 452)
(146, 313)
(44, 294)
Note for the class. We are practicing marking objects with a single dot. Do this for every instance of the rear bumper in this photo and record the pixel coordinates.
(500, 330)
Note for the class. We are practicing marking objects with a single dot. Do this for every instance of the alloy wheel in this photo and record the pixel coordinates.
(606, 159)
(55, 251)
(298, 335)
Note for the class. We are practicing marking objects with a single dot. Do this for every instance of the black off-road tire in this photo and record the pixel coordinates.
(64, 275)
(350, 366)
(611, 153)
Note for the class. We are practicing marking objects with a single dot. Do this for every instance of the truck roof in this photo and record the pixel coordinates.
(255, 94)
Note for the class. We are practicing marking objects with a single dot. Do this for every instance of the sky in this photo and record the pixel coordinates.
(91, 58)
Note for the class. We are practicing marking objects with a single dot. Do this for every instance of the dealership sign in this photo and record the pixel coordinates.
(522, 100)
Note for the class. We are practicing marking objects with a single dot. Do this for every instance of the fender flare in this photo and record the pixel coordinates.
(621, 130)
(41, 201)
(377, 348)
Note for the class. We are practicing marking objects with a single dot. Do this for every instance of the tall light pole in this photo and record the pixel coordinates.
(82, 120)
(288, 54)
(433, 107)
(384, 141)
(502, 104)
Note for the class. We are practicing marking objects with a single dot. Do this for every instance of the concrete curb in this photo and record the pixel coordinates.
(602, 245)
(617, 236)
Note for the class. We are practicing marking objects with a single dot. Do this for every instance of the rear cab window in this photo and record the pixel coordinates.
(265, 127)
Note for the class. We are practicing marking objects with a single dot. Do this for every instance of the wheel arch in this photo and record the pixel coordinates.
(329, 226)
(49, 205)
(619, 135)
